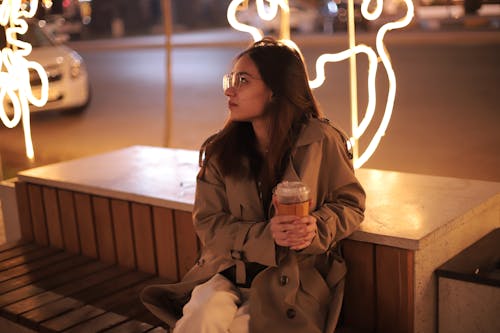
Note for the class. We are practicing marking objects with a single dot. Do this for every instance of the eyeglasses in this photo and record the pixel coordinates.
(236, 80)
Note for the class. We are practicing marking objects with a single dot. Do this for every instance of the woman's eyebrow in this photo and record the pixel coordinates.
(246, 73)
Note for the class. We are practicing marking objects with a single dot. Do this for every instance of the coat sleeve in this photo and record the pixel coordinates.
(341, 205)
(222, 232)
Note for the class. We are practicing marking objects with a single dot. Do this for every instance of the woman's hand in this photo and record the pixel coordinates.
(294, 232)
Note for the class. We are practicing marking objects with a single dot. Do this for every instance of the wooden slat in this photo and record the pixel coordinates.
(358, 309)
(394, 288)
(187, 242)
(142, 224)
(69, 226)
(75, 285)
(33, 318)
(18, 295)
(27, 270)
(104, 229)
(165, 243)
(85, 223)
(131, 326)
(38, 215)
(97, 324)
(126, 296)
(122, 225)
(99, 296)
(17, 266)
(127, 302)
(103, 290)
(52, 217)
(70, 319)
(23, 209)
(12, 245)
(49, 268)
(51, 310)
(17, 251)
(40, 287)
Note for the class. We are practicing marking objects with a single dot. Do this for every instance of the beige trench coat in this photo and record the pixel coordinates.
(300, 291)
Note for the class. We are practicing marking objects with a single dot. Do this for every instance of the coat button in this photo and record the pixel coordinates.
(283, 280)
(290, 313)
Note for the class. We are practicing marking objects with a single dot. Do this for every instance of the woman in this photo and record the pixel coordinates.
(259, 272)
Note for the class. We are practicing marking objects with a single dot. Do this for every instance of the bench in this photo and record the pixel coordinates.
(82, 261)
(126, 215)
(49, 290)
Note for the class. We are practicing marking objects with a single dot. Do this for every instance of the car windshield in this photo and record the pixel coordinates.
(35, 36)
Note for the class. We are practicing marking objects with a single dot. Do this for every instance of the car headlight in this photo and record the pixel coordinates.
(76, 66)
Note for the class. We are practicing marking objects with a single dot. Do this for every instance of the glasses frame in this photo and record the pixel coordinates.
(233, 80)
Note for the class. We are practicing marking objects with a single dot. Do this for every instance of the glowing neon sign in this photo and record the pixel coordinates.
(15, 85)
(373, 59)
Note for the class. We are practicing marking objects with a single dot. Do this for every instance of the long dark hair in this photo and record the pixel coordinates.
(282, 69)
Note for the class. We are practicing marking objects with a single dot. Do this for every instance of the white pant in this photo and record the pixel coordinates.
(216, 306)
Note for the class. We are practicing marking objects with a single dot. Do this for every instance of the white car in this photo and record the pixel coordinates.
(69, 87)
(304, 18)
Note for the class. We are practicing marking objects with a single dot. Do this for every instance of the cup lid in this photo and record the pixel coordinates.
(291, 192)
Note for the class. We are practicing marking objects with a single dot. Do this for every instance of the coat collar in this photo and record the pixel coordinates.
(311, 132)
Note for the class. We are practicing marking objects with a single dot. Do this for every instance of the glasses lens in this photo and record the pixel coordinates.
(227, 81)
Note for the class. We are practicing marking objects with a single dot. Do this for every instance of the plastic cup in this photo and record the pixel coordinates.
(292, 198)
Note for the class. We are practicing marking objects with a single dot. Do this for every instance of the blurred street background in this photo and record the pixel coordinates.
(446, 115)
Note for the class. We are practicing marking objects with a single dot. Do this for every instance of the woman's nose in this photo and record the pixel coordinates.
(230, 91)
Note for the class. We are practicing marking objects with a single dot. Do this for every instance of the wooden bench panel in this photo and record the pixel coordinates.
(52, 217)
(187, 241)
(394, 288)
(104, 229)
(38, 215)
(151, 239)
(379, 288)
(23, 210)
(165, 242)
(85, 224)
(142, 224)
(122, 224)
(69, 226)
(359, 308)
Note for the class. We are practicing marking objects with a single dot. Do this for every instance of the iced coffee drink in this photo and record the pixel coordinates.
(292, 198)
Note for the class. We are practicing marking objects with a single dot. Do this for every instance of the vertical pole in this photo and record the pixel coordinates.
(285, 22)
(353, 78)
(167, 18)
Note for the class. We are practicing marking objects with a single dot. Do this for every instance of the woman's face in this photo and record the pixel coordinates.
(247, 95)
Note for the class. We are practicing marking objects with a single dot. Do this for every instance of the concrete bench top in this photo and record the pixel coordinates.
(404, 210)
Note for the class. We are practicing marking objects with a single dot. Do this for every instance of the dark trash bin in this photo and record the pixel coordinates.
(469, 288)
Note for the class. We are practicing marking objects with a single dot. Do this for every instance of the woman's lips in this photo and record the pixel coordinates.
(231, 104)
